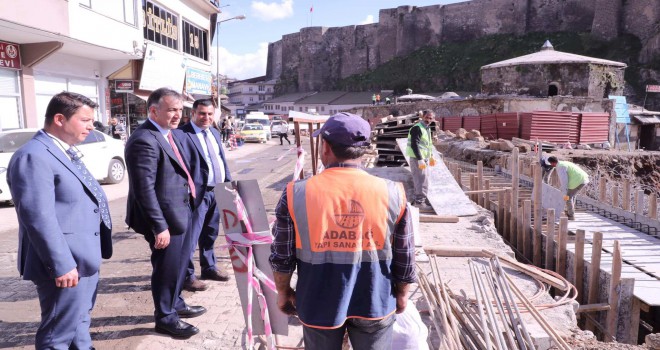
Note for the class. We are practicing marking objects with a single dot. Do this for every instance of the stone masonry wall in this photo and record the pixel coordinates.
(316, 57)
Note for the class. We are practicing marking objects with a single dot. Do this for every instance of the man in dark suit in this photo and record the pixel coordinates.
(159, 207)
(64, 223)
(203, 146)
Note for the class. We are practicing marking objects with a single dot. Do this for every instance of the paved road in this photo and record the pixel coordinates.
(122, 318)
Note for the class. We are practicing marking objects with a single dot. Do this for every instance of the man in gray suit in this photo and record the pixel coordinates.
(64, 223)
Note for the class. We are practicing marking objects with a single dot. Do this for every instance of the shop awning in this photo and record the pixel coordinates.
(647, 119)
(141, 94)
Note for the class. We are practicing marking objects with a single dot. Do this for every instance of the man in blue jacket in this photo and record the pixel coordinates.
(64, 222)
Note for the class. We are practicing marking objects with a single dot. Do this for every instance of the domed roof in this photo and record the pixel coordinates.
(549, 55)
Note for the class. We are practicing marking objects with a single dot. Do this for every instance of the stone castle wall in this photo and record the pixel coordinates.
(316, 57)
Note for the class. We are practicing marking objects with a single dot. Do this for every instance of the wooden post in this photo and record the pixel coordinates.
(594, 274)
(538, 216)
(500, 212)
(506, 224)
(578, 272)
(310, 128)
(625, 201)
(639, 202)
(296, 127)
(615, 196)
(473, 187)
(459, 174)
(480, 182)
(562, 241)
(526, 223)
(550, 240)
(487, 194)
(653, 206)
(613, 299)
(634, 321)
(515, 174)
(602, 187)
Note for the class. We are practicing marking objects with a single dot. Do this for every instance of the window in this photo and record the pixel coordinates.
(261, 88)
(10, 100)
(250, 89)
(123, 10)
(322, 108)
(194, 41)
(262, 97)
(290, 108)
(160, 25)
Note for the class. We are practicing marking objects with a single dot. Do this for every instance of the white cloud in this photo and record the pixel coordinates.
(273, 10)
(368, 20)
(245, 66)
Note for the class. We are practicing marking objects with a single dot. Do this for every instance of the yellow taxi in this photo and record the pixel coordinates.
(254, 132)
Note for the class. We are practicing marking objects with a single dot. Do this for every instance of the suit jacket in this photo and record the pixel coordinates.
(194, 152)
(158, 195)
(60, 225)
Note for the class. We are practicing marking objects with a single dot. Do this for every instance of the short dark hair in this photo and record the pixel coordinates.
(203, 102)
(157, 95)
(342, 152)
(553, 159)
(427, 112)
(67, 104)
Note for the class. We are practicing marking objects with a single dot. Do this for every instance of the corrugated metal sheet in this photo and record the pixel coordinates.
(489, 126)
(547, 126)
(472, 123)
(507, 125)
(574, 129)
(594, 128)
(453, 123)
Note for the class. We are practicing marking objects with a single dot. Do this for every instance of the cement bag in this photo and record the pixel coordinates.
(409, 331)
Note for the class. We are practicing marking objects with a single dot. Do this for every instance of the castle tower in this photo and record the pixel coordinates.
(607, 19)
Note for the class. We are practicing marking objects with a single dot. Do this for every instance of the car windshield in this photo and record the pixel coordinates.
(12, 141)
(253, 127)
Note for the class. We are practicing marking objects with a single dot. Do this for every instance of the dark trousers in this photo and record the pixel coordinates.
(169, 271)
(204, 231)
(284, 136)
(225, 136)
(65, 314)
(364, 335)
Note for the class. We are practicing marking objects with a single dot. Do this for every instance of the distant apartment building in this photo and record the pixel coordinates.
(249, 92)
(114, 52)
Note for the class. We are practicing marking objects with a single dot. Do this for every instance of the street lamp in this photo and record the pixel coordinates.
(217, 57)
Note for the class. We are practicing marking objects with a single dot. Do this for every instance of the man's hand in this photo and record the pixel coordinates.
(67, 280)
(287, 302)
(401, 294)
(432, 161)
(401, 303)
(566, 197)
(162, 240)
(422, 164)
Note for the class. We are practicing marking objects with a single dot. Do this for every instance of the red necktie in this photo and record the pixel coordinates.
(183, 165)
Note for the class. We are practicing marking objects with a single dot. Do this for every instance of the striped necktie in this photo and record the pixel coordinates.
(91, 182)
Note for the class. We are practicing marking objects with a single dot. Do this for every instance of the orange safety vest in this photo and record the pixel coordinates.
(344, 220)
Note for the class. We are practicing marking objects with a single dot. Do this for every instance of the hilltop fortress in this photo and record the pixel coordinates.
(316, 57)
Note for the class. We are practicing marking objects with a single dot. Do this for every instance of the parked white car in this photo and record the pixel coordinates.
(102, 155)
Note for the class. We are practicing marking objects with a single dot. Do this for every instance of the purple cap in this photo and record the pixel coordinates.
(345, 129)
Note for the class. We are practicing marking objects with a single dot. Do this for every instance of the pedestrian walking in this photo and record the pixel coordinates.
(224, 127)
(378, 99)
(373, 99)
(352, 245)
(420, 151)
(64, 222)
(159, 207)
(202, 145)
(387, 100)
(117, 129)
(572, 179)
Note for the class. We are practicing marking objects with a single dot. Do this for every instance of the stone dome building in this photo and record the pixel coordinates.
(550, 73)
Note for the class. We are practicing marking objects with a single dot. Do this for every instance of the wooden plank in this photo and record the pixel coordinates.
(480, 182)
(491, 190)
(530, 271)
(487, 194)
(653, 206)
(451, 219)
(550, 240)
(615, 196)
(506, 230)
(639, 202)
(459, 174)
(594, 273)
(625, 201)
(515, 174)
(602, 189)
(593, 307)
(613, 298)
(526, 224)
(500, 212)
(561, 249)
(459, 251)
(578, 264)
(634, 321)
(538, 216)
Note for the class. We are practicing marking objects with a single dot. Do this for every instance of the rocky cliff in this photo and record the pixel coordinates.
(316, 58)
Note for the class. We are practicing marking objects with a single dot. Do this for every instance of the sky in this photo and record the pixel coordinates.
(244, 43)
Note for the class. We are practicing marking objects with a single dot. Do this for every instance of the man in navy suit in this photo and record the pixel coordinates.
(64, 222)
(203, 146)
(159, 207)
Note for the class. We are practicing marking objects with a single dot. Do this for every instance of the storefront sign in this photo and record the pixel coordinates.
(160, 25)
(652, 88)
(198, 82)
(10, 56)
(162, 68)
(124, 86)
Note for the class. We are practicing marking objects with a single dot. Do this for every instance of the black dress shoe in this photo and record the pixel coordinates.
(179, 330)
(191, 311)
(216, 275)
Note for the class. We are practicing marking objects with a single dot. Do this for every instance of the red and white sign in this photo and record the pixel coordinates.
(652, 88)
(10, 55)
